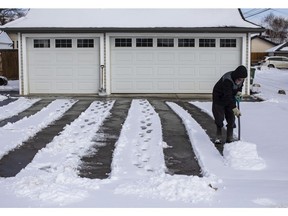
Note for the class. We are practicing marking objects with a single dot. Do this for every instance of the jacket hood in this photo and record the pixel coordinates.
(239, 72)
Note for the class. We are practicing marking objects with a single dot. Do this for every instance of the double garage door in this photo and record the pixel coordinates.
(147, 64)
(68, 65)
(171, 65)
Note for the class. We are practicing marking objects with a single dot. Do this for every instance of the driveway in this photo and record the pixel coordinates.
(179, 157)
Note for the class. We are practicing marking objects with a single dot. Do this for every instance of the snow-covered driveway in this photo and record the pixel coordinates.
(243, 177)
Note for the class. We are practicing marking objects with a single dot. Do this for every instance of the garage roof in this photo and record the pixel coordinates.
(131, 18)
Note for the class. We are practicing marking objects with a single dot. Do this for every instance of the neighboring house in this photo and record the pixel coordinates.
(14, 38)
(5, 41)
(109, 51)
(259, 45)
(279, 50)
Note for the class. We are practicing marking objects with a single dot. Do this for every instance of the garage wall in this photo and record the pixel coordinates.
(173, 68)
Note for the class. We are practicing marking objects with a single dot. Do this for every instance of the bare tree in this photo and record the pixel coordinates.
(276, 27)
(10, 14)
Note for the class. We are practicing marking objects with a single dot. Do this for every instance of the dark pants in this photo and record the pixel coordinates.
(223, 112)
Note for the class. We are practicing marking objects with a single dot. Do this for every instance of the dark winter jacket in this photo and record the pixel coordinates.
(225, 89)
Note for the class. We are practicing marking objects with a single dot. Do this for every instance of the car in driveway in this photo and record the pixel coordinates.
(274, 62)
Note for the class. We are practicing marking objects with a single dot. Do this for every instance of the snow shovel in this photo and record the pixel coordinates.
(239, 129)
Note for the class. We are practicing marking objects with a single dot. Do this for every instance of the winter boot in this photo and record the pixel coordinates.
(229, 137)
(218, 136)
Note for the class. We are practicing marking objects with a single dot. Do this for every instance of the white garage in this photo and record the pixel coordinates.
(106, 51)
(63, 64)
(183, 64)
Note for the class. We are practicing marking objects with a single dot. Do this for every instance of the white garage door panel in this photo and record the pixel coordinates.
(144, 71)
(187, 72)
(123, 72)
(167, 72)
(144, 85)
(63, 70)
(186, 85)
(227, 57)
(170, 69)
(205, 85)
(207, 57)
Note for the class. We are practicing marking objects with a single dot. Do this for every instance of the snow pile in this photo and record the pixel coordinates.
(189, 189)
(243, 156)
(239, 155)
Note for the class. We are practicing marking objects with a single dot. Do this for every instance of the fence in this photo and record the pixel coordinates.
(9, 64)
(257, 56)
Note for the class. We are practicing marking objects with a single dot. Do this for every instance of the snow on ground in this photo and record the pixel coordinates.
(16, 107)
(13, 135)
(12, 85)
(252, 173)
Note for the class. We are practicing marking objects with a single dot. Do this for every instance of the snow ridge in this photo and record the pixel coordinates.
(13, 135)
(16, 107)
(140, 143)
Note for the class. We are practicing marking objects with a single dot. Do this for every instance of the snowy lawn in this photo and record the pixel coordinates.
(252, 173)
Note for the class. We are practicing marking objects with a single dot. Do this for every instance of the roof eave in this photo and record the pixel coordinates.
(133, 29)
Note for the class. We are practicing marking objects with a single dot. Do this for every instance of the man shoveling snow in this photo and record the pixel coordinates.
(225, 90)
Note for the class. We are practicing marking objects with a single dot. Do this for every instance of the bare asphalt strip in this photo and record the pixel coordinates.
(97, 164)
(18, 158)
(179, 157)
(28, 112)
(205, 121)
(7, 101)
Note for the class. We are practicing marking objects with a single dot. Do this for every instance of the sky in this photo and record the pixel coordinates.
(149, 4)
(256, 15)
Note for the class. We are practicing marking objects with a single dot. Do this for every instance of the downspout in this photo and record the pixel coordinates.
(248, 62)
(102, 88)
(20, 64)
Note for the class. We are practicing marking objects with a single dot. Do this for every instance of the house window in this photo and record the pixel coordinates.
(207, 42)
(165, 42)
(85, 43)
(189, 42)
(123, 42)
(63, 43)
(41, 43)
(227, 42)
(144, 42)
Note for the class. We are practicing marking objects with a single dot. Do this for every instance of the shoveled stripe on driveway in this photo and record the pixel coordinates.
(18, 158)
(180, 157)
(205, 121)
(28, 112)
(98, 164)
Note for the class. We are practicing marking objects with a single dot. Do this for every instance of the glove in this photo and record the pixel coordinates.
(236, 112)
(238, 96)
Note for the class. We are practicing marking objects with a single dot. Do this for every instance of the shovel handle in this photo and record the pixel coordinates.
(239, 129)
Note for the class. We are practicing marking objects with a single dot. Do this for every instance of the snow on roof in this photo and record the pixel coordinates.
(280, 47)
(131, 18)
